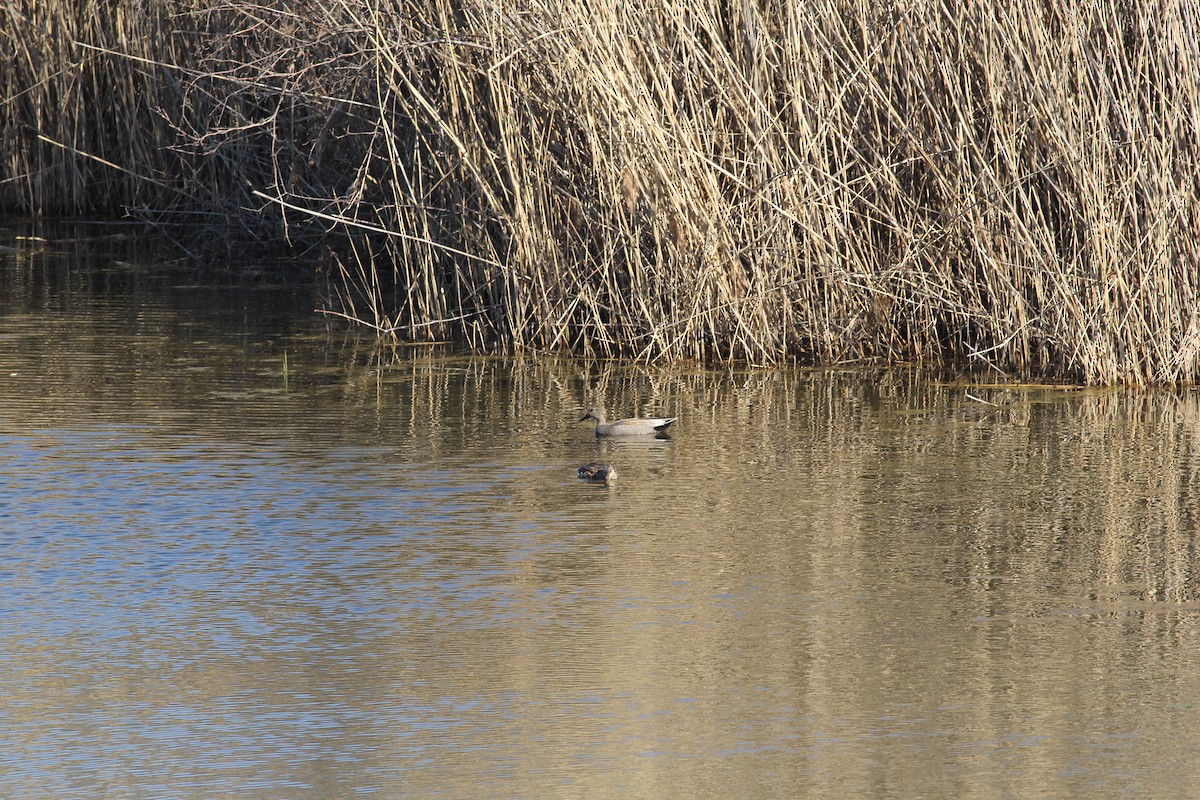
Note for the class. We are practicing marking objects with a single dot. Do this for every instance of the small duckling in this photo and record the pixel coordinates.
(597, 472)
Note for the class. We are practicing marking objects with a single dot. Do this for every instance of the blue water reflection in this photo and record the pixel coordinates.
(381, 576)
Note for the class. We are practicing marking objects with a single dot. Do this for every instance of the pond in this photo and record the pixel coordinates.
(249, 554)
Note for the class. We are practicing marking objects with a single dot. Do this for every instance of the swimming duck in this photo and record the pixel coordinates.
(597, 472)
(634, 426)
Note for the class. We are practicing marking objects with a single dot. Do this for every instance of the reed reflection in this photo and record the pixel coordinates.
(383, 573)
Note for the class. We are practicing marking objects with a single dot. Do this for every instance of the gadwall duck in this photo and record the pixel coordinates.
(633, 426)
(597, 472)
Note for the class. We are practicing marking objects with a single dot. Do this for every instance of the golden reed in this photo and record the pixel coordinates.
(1007, 185)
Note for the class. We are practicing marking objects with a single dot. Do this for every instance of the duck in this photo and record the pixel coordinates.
(634, 426)
(597, 472)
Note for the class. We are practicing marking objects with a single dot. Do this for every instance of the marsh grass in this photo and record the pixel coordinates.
(1007, 185)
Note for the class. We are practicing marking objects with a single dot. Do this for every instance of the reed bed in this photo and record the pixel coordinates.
(1007, 185)
(81, 125)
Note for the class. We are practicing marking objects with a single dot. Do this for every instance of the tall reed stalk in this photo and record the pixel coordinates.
(1010, 185)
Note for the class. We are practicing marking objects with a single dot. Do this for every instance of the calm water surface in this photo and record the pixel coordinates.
(246, 556)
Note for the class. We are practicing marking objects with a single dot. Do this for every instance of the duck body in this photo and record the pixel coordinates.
(634, 426)
(597, 472)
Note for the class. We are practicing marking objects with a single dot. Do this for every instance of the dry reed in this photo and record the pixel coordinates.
(1010, 185)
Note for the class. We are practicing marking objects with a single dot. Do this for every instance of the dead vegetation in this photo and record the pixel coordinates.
(1007, 185)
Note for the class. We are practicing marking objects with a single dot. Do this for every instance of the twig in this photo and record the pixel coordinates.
(353, 223)
(981, 400)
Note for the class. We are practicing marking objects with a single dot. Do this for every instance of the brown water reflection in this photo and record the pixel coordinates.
(378, 572)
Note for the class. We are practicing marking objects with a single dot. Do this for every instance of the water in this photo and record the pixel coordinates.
(375, 573)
